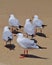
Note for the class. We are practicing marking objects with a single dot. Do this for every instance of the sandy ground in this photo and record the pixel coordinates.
(23, 9)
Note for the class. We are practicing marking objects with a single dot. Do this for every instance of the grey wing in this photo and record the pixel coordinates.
(12, 22)
(6, 35)
(27, 42)
(41, 22)
(17, 22)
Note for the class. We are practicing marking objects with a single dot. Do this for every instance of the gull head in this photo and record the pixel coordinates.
(36, 16)
(11, 15)
(27, 20)
(6, 28)
(19, 35)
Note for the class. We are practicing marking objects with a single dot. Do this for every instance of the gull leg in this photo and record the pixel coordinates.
(41, 30)
(26, 51)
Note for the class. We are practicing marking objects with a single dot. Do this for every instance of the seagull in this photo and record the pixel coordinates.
(29, 29)
(7, 35)
(26, 43)
(14, 22)
(37, 22)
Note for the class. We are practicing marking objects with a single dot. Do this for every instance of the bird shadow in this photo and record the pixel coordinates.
(44, 26)
(20, 26)
(41, 34)
(15, 32)
(10, 46)
(32, 56)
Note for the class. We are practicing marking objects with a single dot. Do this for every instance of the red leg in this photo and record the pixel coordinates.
(41, 30)
(27, 51)
(24, 51)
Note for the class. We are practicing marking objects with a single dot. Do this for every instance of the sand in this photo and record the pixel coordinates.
(23, 9)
